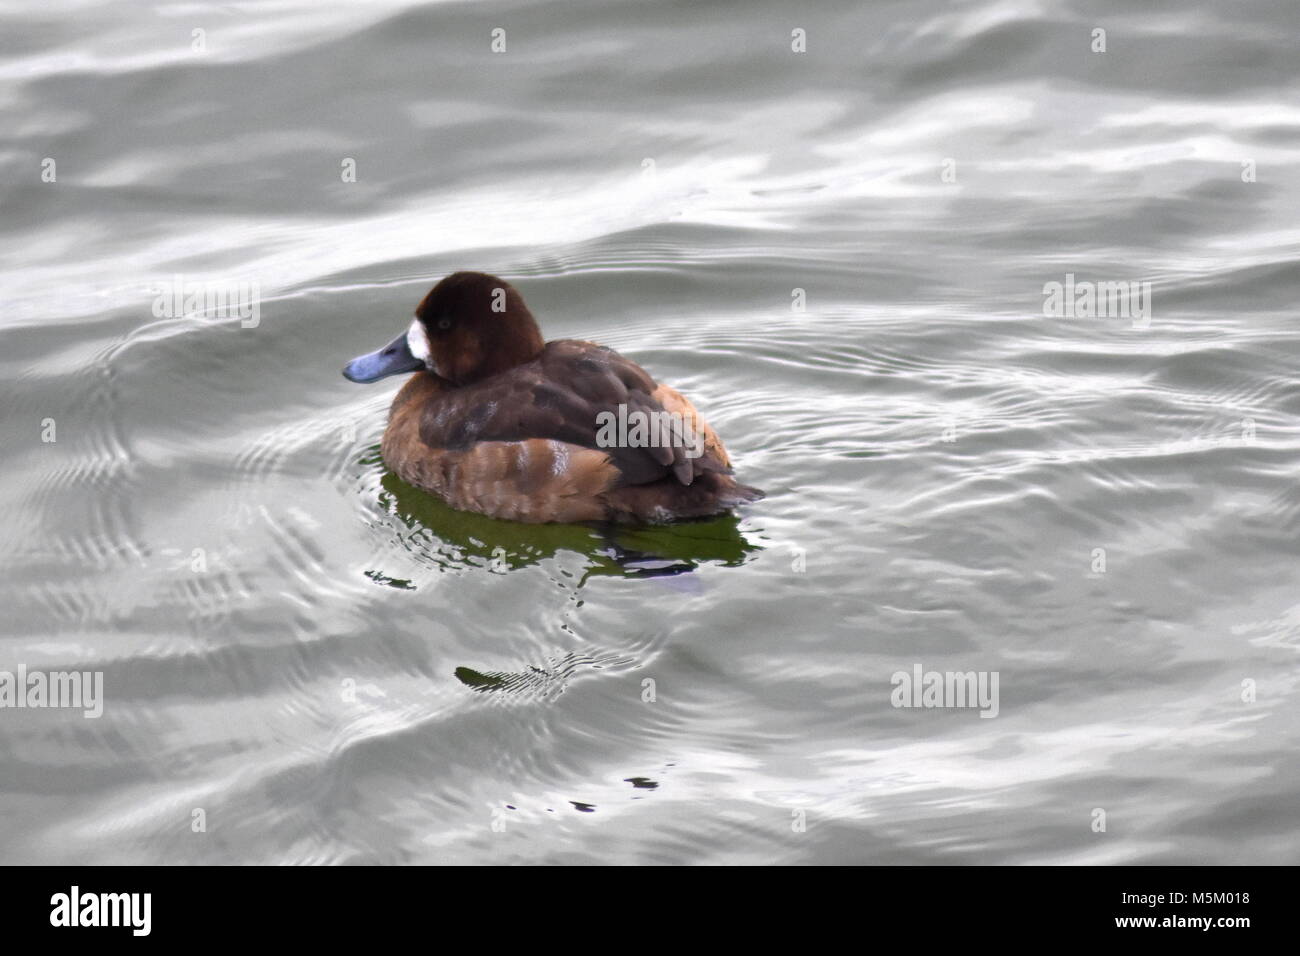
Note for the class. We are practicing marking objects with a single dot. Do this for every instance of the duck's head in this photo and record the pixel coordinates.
(471, 325)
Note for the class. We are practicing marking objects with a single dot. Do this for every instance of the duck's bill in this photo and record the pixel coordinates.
(393, 359)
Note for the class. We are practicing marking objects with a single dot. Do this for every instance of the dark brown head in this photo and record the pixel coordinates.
(470, 326)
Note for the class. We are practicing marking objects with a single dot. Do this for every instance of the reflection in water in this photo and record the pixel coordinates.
(460, 539)
(399, 583)
(538, 683)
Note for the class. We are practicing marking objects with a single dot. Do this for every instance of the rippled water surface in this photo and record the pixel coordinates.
(334, 667)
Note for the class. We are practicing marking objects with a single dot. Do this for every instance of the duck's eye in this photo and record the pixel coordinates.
(444, 324)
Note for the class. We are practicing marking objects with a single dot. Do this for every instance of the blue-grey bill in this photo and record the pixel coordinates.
(393, 359)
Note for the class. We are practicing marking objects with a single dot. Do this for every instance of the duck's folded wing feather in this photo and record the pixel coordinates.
(585, 395)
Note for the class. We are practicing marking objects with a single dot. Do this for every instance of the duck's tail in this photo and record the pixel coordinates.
(667, 500)
(738, 494)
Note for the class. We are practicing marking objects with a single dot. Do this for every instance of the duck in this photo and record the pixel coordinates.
(495, 420)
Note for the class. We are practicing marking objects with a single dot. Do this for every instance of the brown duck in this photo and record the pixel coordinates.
(497, 421)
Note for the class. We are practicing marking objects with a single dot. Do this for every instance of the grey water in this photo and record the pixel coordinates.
(836, 227)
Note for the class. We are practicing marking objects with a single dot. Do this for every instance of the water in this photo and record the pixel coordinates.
(331, 667)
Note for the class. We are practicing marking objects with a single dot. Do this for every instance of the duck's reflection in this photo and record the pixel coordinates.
(462, 539)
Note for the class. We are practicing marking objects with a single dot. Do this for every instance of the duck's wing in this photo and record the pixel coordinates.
(677, 403)
(588, 396)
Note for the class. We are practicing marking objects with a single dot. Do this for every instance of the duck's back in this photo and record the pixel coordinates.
(547, 441)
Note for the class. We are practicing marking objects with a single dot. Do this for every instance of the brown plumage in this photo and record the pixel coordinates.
(498, 422)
